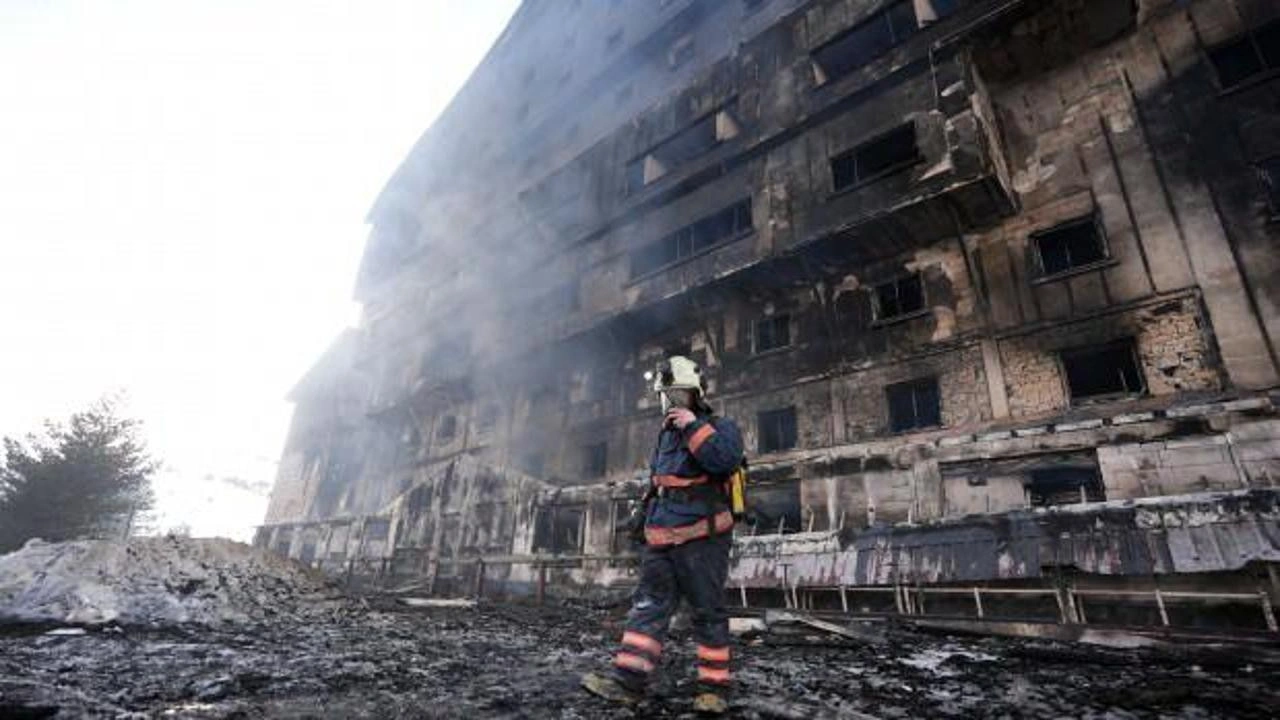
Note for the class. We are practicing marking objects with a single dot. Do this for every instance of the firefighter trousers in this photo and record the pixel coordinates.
(695, 571)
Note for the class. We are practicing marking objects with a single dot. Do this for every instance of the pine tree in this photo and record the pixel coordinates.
(88, 477)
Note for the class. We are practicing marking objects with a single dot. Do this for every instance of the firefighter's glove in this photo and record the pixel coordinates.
(635, 524)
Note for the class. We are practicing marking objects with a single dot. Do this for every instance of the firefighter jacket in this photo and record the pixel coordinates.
(690, 468)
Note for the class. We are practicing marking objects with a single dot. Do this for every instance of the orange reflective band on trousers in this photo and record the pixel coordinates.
(700, 436)
(654, 535)
(629, 661)
(714, 676)
(643, 642)
(713, 654)
(675, 481)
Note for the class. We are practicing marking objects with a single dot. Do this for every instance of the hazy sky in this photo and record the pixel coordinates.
(183, 188)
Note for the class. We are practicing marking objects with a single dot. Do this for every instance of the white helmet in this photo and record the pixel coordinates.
(677, 373)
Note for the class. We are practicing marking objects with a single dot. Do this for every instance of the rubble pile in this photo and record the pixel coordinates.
(520, 661)
(152, 581)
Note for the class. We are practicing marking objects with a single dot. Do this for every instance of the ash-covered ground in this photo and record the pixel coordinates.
(377, 659)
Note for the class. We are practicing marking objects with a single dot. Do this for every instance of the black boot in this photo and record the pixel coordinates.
(610, 688)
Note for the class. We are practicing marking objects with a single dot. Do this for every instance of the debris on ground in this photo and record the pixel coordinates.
(153, 581)
(173, 627)
(780, 620)
(437, 602)
(518, 661)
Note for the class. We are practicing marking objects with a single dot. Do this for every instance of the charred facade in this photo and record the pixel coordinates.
(990, 287)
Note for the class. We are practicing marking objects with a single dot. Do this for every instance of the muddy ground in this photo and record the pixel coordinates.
(379, 660)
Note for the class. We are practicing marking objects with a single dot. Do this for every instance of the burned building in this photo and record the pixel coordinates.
(990, 286)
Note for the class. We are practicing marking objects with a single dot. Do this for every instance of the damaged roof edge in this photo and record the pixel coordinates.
(401, 175)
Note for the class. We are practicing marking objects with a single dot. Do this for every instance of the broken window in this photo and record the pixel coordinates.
(308, 554)
(1064, 486)
(1269, 174)
(693, 239)
(772, 333)
(777, 429)
(870, 39)
(488, 418)
(775, 507)
(1075, 244)
(914, 405)
(880, 156)
(448, 428)
(559, 529)
(1103, 371)
(1248, 56)
(620, 540)
(693, 141)
(595, 460)
(898, 298)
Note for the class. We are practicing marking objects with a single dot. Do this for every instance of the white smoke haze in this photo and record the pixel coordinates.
(182, 204)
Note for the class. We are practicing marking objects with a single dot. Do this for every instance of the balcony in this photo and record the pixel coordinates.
(931, 167)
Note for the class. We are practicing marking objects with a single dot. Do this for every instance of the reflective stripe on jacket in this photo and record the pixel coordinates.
(710, 448)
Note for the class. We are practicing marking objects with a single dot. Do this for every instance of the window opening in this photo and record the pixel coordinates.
(873, 37)
(777, 430)
(377, 529)
(1103, 371)
(880, 156)
(899, 298)
(775, 507)
(1249, 55)
(1269, 174)
(693, 141)
(931, 11)
(620, 540)
(693, 239)
(595, 460)
(772, 333)
(1064, 486)
(448, 428)
(914, 405)
(488, 419)
(1075, 244)
(559, 529)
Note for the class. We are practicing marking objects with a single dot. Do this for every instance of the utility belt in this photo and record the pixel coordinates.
(701, 493)
(679, 481)
(700, 488)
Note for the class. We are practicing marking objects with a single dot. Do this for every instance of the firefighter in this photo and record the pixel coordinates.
(687, 527)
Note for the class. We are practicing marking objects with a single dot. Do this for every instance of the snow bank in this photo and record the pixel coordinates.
(152, 581)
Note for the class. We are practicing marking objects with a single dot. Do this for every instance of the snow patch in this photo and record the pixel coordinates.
(151, 581)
